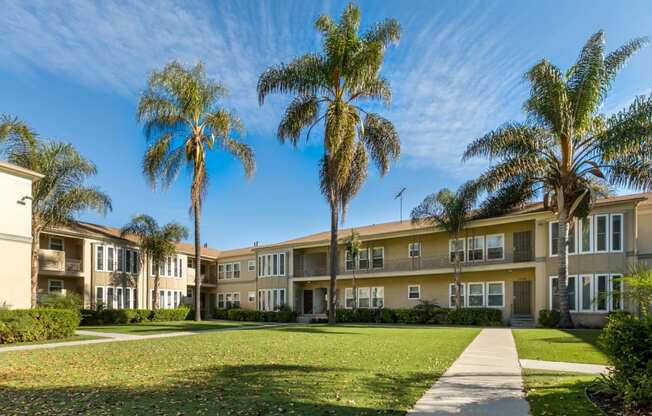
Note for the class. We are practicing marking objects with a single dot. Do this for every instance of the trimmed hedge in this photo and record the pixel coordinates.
(628, 343)
(431, 315)
(128, 316)
(39, 324)
(250, 315)
(549, 319)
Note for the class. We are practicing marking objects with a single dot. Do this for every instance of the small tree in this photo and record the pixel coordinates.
(637, 287)
(156, 242)
(353, 246)
(450, 211)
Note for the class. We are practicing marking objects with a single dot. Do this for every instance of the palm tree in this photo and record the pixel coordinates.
(156, 242)
(14, 132)
(566, 149)
(183, 121)
(353, 246)
(60, 194)
(450, 211)
(337, 80)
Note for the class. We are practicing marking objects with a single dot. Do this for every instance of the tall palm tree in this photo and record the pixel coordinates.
(353, 246)
(568, 151)
(14, 132)
(346, 73)
(156, 242)
(183, 121)
(60, 194)
(450, 211)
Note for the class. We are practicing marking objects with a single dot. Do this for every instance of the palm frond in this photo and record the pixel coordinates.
(509, 140)
(617, 59)
(548, 103)
(303, 112)
(382, 141)
(243, 152)
(385, 33)
(304, 76)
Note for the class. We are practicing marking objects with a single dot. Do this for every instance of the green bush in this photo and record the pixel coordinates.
(244, 315)
(426, 314)
(475, 316)
(27, 325)
(142, 315)
(284, 314)
(628, 343)
(221, 313)
(128, 316)
(178, 314)
(549, 319)
(59, 301)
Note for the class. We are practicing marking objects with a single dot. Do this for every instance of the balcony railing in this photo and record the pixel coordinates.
(409, 265)
(205, 279)
(56, 261)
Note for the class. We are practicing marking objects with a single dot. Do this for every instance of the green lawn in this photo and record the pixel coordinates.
(558, 394)
(297, 370)
(50, 341)
(573, 346)
(151, 328)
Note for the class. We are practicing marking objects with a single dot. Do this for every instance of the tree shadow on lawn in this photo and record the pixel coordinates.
(317, 330)
(577, 337)
(158, 328)
(272, 389)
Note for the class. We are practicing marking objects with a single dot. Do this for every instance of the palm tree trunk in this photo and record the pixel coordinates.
(34, 266)
(333, 264)
(562, 288)
(197, 264)
(157, 281)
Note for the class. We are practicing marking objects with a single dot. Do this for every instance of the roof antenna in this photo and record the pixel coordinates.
(400, 196)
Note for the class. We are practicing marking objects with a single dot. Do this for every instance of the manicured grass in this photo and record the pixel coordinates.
(50, 341)
(573, 346)
(562, 394)
(297, 369)
(151, 328)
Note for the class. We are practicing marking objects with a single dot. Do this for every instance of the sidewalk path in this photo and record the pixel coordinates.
(564, 367)
(485, 380)
(119, 337)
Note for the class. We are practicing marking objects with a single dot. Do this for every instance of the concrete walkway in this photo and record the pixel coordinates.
(564, 367)
(485, 380)
(120, 337)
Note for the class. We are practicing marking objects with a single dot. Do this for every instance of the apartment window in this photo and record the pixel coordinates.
(236, 300)
(554, 238)
(271, 265)
(220, 271)
(414, 250)
(377, 297)
(601, 233)
(616, 292)
(363, 259)
(586, 292)
(169, 299)
(169, 259)
(251, 297)
(228, 271)
(456, 250)
(414, 292)
(348, 298)
(119, 297)
(572, 237)
(281, 268)
(476, 294)
(189, 293)
(176, 299)
(601, 292)
(616, 232)
(135, 294)
(109, 259)
(127, 298)
(251, 266)
(127, 260)
(55, 286)
(571, 286)
(180, 267)
(56, 243)
(220, 301)
(348, 260)
(109, 297)
(378, 257)
(476, 248)
(99, 296)
(496, 294)
(586, 235)
(161, 295)
(363, 297)
(120, 265)
(495, 247)
(176, 267)
(452, 294)
(99, 258)
(236, 270)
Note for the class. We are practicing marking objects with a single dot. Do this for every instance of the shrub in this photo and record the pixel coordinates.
(549, 319)
(244, 315)
(475, 316)
(59, 301)
(26, 325)
(424, 314)
(628, 343)
(178, 314)
(142, 315)
(221, 313)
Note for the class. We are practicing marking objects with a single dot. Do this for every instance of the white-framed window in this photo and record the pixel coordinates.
(251, 266)
(271, 299)
(221, 302)
(616, 297)
(377, 297)
(348, 260)
(109, 259)
(348, 298)
(99, 296)
(272, 264)
(496, 294)
(571, 285)
(220, 271)
(56, 243)
(414, 292)
(475, 295)
(616, 232)
(110, 298)
(99, 258)
(601, 233)
(572, 236)
(601, 296)
(121, 259)
(251, 297)
(228, 271)
(586, 235)
(128, 297)
(414, 250)
(452, 294)
(363, 297)
(586, 292)
(553, 238)
(363, 259)
(475, 248)
(236, 270)
(456, 248)
(495, 246)
(55, 286)
(378, 257)
(119, 295)
(128, 260)
(175, 261)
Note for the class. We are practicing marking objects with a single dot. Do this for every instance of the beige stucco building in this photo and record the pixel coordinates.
(15, 235)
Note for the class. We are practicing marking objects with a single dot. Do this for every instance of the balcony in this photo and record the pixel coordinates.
(56, 261)
(205, 279)
(418, 264)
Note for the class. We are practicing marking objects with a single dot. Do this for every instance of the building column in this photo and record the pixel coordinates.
(540, 274)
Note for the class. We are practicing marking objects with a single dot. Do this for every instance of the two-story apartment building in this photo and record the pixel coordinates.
(509, 263)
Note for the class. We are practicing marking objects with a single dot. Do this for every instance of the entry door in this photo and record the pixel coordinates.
(522, 297)
(307, 301)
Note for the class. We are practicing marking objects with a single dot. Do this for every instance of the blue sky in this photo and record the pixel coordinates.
(73, 70)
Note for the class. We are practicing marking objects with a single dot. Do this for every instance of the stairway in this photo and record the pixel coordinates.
(522, 321)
